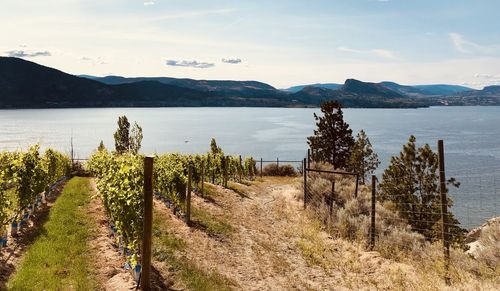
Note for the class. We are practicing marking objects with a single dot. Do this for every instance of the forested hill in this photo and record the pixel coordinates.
(24, 84)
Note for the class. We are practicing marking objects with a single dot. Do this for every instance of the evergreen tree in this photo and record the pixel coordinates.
(363, 159)
(332, 140)
(412, 182)
(122, 140)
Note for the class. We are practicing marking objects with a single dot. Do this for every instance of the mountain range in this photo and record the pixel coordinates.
(25, 84)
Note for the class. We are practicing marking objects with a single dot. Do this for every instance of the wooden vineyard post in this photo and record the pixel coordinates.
(241, 168)
(188, 197)
(357, 186)
(202, 179)
(444, 210)
(372, 229)
(148, 224)
(305, 184)
(277, 164)
(213, 171)
(261, 167)
(225, 172)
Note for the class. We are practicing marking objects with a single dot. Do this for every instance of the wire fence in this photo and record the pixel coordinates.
(443, 216)
(478, 197)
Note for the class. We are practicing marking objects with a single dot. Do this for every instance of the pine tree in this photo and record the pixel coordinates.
(332, 140)
(412, 182)
(363, 159)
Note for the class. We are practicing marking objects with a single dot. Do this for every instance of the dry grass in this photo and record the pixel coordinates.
(489, 250)
(350, 220)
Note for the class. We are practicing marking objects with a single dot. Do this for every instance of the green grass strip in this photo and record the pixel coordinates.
(60, 258)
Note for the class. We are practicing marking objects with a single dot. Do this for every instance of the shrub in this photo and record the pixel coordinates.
(282, 170)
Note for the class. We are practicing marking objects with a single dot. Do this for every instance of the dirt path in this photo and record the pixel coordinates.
(274, 245)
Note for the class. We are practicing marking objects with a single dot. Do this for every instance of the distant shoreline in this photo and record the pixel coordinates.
(285, 107)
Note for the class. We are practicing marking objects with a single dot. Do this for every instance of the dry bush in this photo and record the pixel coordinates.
(489, 250)
(282, 170)
(350, 219)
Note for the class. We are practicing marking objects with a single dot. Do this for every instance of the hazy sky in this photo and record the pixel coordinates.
(280, 42)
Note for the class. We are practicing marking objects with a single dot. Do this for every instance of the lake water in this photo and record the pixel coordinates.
(471, 135)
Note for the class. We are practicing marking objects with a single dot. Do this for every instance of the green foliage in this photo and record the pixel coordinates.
(126, 139)
(332, 140)
(250, 168)
(363, 159)
(171, 178)
(122, 139)
(214, 149)
(120, 183)
(28, 174)
(101, 147)
(135, 138)
(412, 182)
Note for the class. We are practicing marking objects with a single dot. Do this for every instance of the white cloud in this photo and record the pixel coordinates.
(383, 53)
(28, 54)
(192, 64)
(149, 3)
(231, 60)
(468, 47)
(483, 80)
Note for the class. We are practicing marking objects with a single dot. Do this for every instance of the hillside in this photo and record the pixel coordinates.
(295, 89)
(25, 84)
(409, 90)
(488, 96)
(359, 94)
(251, 236)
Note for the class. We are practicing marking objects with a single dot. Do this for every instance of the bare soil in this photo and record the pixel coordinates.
(274, 246)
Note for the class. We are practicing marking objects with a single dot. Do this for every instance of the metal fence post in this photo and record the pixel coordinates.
(305, 184)
(374, 193)
(148, 224)
(308, 158)
(332, 198)
(444, 210)
(261, 167)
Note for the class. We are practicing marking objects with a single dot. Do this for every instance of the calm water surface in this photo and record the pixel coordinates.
(471, 135)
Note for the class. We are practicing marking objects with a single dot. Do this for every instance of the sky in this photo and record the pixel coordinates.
(283, 43)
